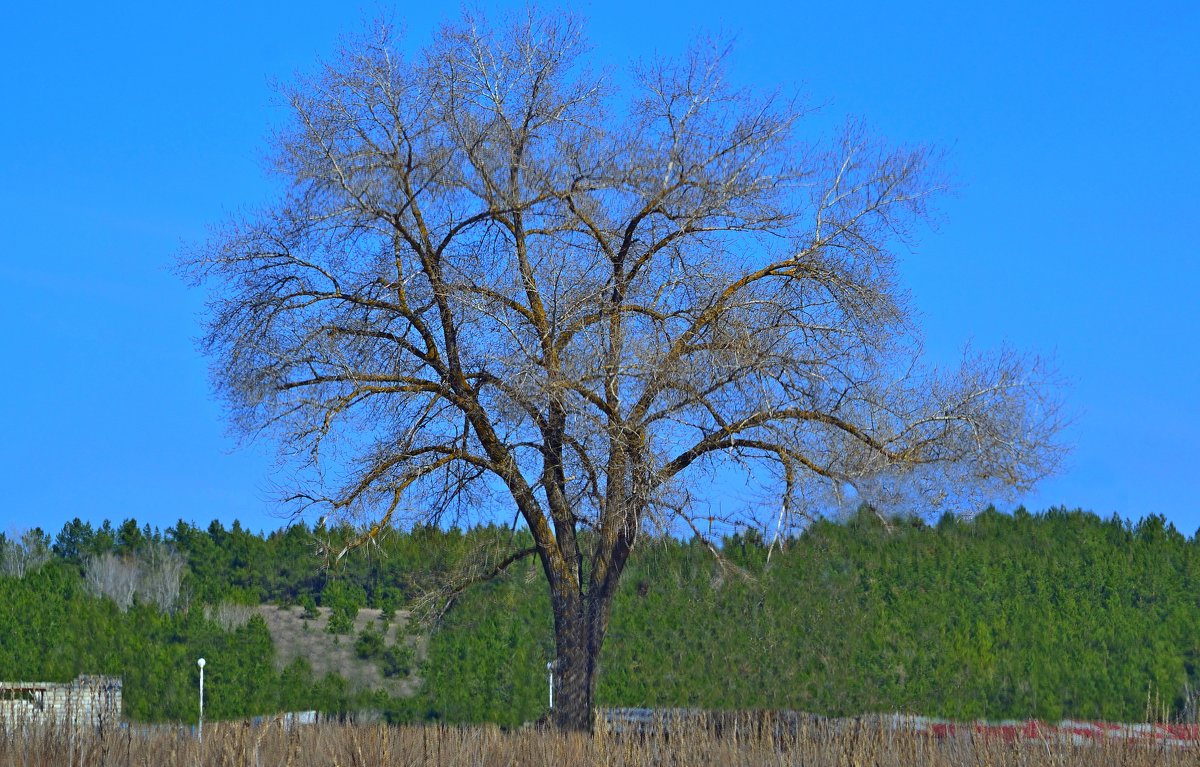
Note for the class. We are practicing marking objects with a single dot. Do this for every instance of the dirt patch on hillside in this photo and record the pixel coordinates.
(296, 637)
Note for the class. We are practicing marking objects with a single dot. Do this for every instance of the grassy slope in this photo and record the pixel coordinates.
(333, 653)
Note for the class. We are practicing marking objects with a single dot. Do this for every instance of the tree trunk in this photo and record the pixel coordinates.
(580, 626)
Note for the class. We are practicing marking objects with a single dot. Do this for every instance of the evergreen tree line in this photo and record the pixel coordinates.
(53, 629)
(1052, 615)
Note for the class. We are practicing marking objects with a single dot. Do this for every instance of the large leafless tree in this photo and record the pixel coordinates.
(499, 281)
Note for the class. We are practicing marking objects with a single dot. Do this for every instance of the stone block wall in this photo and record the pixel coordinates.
(89, 701)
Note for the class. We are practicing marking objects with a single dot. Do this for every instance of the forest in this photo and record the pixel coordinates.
(1059, 614)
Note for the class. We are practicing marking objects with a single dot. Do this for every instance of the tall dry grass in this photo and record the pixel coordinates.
(330, 745)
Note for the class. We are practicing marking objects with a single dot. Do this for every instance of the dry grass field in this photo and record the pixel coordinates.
(328, 653)
(330, 745)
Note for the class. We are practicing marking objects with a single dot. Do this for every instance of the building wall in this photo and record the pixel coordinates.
(93, 701)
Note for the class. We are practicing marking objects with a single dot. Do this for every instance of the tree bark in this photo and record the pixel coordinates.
(575, 666)
(580, 625)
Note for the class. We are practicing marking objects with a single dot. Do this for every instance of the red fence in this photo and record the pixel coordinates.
(1066, 731)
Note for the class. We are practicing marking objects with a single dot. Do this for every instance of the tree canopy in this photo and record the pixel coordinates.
(498, 284)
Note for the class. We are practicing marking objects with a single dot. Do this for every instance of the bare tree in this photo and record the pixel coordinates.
(107, 575)
(152, 575)
(160, 575)
(493, 286)
(24, 554)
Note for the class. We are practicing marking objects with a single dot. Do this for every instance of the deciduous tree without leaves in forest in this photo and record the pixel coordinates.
(500, 284)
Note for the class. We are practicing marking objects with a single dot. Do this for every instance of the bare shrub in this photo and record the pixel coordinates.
(230, 615)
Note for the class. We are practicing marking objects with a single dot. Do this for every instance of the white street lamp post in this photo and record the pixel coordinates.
(200, 729)
(550, 675)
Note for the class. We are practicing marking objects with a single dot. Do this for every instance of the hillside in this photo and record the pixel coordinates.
(1055, 615)
(296, 637)
(1051, 615)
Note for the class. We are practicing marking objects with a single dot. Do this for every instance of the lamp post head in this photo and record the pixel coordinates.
(200, 663)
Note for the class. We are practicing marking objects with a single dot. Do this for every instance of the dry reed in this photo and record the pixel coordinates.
(695, 744)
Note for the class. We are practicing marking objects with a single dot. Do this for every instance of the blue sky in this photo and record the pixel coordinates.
(1070, 131)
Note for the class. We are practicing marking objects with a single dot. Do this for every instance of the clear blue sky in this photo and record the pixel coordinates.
(1071, 131)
